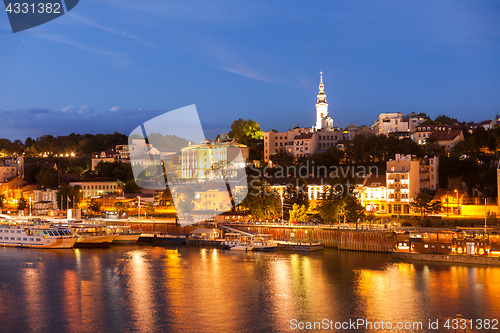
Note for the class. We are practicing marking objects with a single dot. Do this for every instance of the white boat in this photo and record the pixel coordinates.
(242, 247)
(236, 242)
(263, 243)
(124, 235)
(41, 236)
(90, 235)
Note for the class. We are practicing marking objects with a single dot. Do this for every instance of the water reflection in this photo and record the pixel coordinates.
(140, 290)
(155, 289)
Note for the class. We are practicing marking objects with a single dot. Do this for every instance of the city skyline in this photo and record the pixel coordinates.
(93, 71)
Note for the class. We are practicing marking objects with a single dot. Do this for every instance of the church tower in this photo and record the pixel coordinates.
(321, 104)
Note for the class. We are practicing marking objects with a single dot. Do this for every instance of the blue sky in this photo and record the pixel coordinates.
(110, 65)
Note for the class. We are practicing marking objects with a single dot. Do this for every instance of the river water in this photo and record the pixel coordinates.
(157, 289)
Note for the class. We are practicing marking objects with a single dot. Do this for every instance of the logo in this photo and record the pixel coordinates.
(205, 178)
(26, 14)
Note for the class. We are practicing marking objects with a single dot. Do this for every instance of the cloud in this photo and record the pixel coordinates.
(247, 72)
(117, 57)
(83, 110)
(69, 108)
(114, 108)
(35, 122)
(106, 28)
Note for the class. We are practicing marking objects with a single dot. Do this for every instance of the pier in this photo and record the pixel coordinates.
(329, 236)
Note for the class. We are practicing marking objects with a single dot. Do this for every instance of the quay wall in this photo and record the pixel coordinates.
(355, 240)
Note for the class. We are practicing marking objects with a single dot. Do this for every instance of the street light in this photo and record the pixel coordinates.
(456, 191)
(282, 209)
(139, 207)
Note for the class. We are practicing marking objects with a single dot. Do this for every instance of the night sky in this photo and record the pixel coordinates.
(110, 65)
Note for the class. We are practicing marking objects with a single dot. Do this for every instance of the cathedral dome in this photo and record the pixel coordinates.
(327, 122)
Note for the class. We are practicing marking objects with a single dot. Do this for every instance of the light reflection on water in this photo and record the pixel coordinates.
(147, 289)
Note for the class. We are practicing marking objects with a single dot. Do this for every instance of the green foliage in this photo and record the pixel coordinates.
(298, 213)
(353, 208)
(296, 193)
(423, 204)
(149, 209)
(22, 203)
(331, 205)
(262, 201)
(184, 198)
(245, 131)
(477, 172)
(116, 170)
(68, 197)
(282, 158)
(48, 177)
(172, 142)
(94, 206)
(121, 207)
(376, 149)
(445, 120)
(131, 187)
(80, 144)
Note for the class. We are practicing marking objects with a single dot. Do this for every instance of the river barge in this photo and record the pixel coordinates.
(465, 245)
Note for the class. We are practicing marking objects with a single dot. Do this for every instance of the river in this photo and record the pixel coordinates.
(157, 289)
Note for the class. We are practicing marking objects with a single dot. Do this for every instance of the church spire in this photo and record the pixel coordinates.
(321, 95)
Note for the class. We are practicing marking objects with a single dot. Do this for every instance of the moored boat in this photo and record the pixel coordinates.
(124, 235)
(237, 242)
(263, 243)
(466, 245)
(242, 247)
(90, 235)
(41, 236)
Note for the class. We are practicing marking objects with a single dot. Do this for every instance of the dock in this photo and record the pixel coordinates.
(162, 239)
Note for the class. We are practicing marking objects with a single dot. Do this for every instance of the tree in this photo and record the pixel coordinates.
(2, 200)
(183, 199)
(245, 131)
(423, 204)
(282, 158)
(94, 206)
(330, 205)
(298, 213)
(131, 187)
(296, 193)
(445, 120)
(353, 208)
(48, 177)
(149, 209)
(262, 201)
(22, 204)
(68, 196)
(121, 207)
